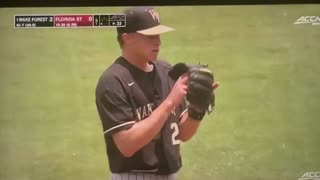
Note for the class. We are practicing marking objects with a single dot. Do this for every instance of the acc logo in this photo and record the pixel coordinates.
(155, 15)
(310, 176)
(314, 20)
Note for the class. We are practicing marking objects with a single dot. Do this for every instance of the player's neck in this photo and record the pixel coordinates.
(138, 62)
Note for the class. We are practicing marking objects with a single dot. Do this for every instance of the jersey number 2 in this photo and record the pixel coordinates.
(175, 133)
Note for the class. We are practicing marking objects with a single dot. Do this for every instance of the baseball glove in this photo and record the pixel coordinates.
(200, 95)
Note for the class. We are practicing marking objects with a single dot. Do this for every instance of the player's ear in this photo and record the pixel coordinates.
(125, 37)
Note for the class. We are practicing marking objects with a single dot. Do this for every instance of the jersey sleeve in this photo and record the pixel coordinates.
(115, 110)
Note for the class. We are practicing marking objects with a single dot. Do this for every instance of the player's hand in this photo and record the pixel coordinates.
(179, 91)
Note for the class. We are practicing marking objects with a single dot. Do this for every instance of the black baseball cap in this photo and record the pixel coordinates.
(143, 20)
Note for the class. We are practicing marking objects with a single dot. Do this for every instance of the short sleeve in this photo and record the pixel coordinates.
(114, 108)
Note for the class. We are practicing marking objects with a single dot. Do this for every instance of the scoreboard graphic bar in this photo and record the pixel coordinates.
(69, 20)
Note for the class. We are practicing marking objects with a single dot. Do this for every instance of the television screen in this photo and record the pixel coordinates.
(264, 124)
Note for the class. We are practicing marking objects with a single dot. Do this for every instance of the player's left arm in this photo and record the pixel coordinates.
(189, 126)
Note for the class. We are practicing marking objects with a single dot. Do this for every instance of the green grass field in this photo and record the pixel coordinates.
(266, 123)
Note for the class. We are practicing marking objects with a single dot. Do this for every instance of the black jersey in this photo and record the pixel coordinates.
(124, 95)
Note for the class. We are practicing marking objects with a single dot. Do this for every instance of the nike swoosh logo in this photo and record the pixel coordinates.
(130, 84)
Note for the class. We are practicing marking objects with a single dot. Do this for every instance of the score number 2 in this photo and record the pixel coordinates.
(175, 133)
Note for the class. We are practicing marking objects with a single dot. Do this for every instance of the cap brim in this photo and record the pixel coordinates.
(156, 30)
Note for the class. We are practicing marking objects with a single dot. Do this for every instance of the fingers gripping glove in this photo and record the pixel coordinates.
(200, 96)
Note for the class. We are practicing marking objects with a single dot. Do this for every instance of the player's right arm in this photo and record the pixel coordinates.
(130, 140)
(141, 133)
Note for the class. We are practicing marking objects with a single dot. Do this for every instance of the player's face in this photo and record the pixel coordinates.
(147, 47)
